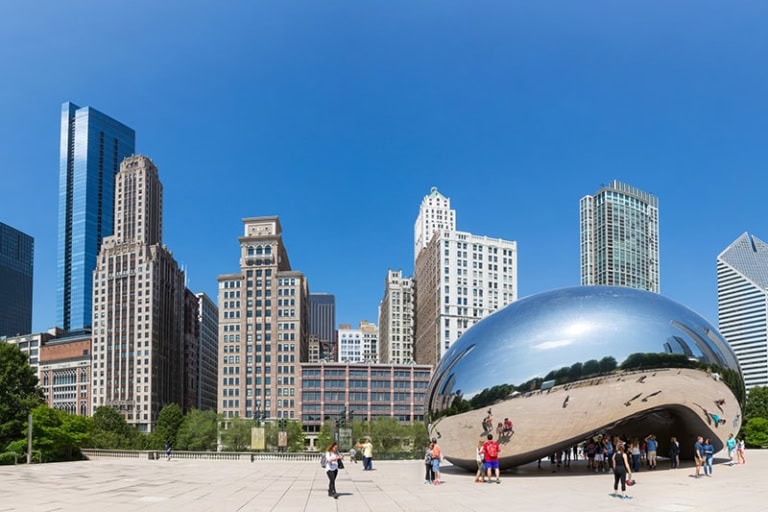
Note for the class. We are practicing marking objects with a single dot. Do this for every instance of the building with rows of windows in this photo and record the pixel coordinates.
(357, 391)
(263, 326)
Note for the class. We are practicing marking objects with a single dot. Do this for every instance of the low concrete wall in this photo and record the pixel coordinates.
(245, 456)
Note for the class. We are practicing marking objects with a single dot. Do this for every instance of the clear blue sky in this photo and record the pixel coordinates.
(339, 117)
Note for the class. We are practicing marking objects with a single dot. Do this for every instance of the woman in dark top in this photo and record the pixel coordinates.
(620, 471)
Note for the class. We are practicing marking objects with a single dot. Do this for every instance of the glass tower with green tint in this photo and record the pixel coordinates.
(619, 235)
(92, 147)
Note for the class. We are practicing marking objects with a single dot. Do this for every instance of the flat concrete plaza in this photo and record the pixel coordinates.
(115, 485)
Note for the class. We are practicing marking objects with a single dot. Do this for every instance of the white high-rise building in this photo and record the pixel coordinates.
(459, 277)
(358, 345)
(396, 318)
(742, 305)
(435, 214)
(619, 238)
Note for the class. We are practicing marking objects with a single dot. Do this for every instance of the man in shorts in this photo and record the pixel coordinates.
(491, 450)
(698, 454)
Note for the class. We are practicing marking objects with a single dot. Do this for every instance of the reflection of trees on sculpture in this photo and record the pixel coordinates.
(590, 369)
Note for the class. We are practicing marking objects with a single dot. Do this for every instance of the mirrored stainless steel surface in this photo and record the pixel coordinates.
(572, 363)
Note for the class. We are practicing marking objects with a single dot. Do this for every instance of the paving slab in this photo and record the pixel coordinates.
(117, 485)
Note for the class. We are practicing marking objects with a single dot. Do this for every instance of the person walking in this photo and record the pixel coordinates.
(367, 448)
(332, 458)
(167, 450)
(621, 471)
(491, 451)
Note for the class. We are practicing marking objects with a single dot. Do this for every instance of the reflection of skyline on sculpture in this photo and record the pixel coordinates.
(601, 331)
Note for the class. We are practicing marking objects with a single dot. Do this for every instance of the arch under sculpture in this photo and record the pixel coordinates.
(572, 363)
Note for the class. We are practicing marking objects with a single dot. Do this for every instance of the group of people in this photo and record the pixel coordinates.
(432, 458)
(487, 460)
(704, 451)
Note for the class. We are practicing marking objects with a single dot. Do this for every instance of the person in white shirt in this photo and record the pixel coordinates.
(332, 458)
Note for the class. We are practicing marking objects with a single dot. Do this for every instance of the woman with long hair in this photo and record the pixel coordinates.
(621, 471)
(332, 458)
(480, 458)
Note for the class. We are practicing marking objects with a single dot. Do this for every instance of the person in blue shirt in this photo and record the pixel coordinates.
(698, 454)
(731, 444)
(652, 446)
(709, 453)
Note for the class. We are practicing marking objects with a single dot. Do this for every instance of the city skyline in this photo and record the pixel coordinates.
(342, 141)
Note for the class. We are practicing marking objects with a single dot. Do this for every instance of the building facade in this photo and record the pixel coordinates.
(435, 214)
(263, 325)
(208, 353)
(351, 391)
(742, 305)
(92, 147)
(460, 279)
(17, 255)
(138, 305)
(396, 319)
(322, 324)
(65, 373)
(619, 238)
(32, 344)
(358, 345)
(191, 352)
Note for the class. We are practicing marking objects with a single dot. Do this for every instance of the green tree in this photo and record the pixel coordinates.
(56, 435)
(19, 393)
(387, 435)
(111, 431)
(756, 432)
(167, 427)
(607, 364)
(237, 437)
(757, 403)
(198, 431)
(325, 436)
(295, 435)
(590, 367)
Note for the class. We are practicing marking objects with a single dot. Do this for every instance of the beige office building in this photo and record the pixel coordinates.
(396, 319)
(263, 326)
(138, 304)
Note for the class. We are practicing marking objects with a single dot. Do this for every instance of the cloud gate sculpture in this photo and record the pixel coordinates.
(577, 362)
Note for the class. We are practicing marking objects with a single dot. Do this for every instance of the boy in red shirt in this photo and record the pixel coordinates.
(491, 450)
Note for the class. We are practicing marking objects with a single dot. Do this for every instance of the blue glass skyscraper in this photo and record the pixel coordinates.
(92, 147)
(17, 252)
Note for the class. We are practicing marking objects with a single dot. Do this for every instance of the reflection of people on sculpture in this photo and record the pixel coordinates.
(488, 422)
(651, 395)
(508, 428)
(718, 420)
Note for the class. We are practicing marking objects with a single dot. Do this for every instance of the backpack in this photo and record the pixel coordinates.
(323, 460)
(492, 450)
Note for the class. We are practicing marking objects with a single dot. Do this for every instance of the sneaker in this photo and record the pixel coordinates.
(498, 481)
